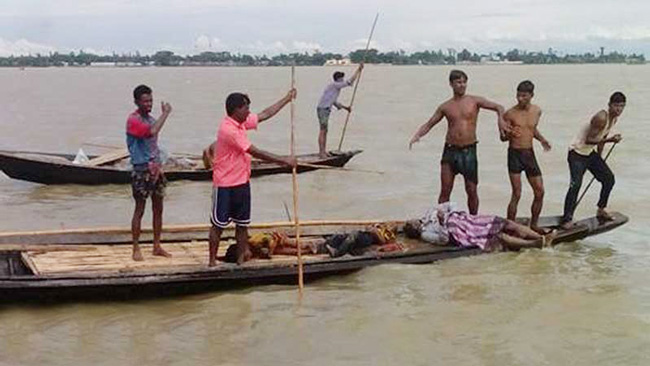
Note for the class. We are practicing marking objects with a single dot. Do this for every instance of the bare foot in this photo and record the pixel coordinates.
(161, 252)
(602, 214)
(567, 225)
(323, 155)
(212, 263)
(137, 254)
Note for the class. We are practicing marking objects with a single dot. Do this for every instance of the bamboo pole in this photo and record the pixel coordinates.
(294, 179)
(189, 227)
(319, 166)
(593, 178)
(356, 84)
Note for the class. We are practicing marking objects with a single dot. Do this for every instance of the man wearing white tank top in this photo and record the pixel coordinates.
(585, 153)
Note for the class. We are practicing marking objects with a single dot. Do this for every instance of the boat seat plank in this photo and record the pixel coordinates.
(109, 157)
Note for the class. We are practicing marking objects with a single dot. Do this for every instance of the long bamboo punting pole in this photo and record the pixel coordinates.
(356, 84)
(294, 178)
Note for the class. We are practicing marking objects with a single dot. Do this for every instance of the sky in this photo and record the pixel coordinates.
(274, 26)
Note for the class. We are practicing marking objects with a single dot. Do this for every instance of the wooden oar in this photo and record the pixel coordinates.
(594, 178)
(319, 166)
(294, 178)
(356, 84)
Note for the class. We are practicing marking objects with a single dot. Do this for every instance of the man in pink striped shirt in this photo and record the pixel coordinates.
(231, 170)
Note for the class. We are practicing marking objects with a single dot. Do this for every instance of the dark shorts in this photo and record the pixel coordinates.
(231, 204)
(323, 117)
(462, 160)
(144, 185)
(523, 160)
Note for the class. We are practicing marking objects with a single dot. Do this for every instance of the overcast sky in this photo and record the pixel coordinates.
(274, 26)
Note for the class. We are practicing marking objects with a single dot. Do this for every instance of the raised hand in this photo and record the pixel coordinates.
(166, 107)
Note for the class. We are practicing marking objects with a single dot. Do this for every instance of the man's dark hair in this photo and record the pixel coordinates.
(236, 100)
(140, 90)
(457, 74)
(338, 75)
(413, 229)
(526, 86)
(617, 97)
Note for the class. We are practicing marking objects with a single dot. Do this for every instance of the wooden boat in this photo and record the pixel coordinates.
(49, 168)
(97, 263)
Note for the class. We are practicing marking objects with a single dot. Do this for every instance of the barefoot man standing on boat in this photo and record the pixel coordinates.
(329, 99)
(585, 154)
(459, 155)
(231, 193)
(523, 120)
(147, 178)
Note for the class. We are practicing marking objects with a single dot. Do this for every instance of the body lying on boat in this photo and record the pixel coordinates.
(97, 263)
(51, 168)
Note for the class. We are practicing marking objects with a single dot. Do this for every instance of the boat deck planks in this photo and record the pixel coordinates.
(117, 258)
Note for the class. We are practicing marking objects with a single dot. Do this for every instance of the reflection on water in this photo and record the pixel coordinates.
(587, 302)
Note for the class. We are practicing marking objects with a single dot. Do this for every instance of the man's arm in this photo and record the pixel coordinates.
(425, 128)
(356, 74)
(166, 110)
(265, 155)
(341, 106)
(277, 107)
(486, 104)
(539, 137)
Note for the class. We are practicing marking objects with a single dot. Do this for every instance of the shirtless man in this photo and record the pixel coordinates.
(459, 155)
(585, 154)
(522, 120)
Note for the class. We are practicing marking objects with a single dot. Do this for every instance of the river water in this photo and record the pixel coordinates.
(583, 303)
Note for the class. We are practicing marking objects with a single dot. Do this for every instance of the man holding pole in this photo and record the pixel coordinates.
(329, 99)
(585, 153)
(231, 197)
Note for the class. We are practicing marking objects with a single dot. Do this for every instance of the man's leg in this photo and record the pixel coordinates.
(537, 184)
(322, 143)
(598, 167)
(243, 252)
(577, 168)
(446, 182)
(471, 189)
(215, 238)
(135, 227)
(157, 208)
(515, 184)
(521, 231)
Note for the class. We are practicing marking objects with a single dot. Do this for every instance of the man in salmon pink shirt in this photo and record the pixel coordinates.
(147, 178)
(231, 170)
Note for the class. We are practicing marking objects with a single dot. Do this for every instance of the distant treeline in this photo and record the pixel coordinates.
(450, 57)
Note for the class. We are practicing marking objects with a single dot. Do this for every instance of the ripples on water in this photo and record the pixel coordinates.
(585, 303)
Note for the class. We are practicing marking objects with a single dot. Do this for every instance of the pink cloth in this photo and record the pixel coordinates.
(231, 165)
(474, 230)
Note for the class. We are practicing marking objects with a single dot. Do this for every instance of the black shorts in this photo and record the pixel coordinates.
(231, 204)
(523, 160)
(462, 160)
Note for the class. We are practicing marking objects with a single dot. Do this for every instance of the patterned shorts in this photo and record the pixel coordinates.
(144, 184)
(323, 117)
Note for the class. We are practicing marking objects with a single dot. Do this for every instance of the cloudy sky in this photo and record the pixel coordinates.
(275, 26)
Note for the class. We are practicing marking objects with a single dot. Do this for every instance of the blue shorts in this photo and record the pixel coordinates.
(231, 204)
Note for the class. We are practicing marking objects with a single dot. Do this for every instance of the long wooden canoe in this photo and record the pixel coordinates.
(51, 168)
(73, 264)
